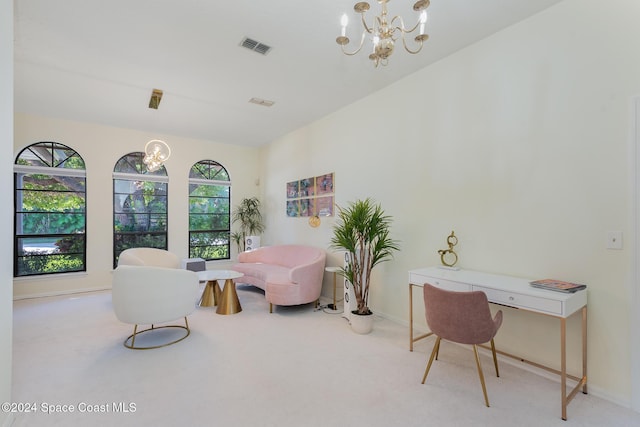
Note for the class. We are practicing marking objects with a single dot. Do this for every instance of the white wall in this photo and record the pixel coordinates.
(634, 338)
(519, 144)
(6, 185)
(101, 147)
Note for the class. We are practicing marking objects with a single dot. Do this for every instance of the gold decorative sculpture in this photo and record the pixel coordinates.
(447, 256)
(314, 221)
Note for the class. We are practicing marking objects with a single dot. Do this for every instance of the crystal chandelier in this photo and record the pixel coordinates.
(156, 152)
(385, 32)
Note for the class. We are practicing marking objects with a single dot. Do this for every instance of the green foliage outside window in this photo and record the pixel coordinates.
(40, 262)
(51, 205)
(209, 211)
(138, 240)
(140, 213)
(50, 214)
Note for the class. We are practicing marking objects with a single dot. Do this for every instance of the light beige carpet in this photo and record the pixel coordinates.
(295, 367)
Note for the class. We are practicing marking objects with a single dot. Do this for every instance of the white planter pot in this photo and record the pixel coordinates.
(361, 323)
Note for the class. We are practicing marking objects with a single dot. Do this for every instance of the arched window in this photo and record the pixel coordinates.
(209, 211)
(50, 210)
(139, 205)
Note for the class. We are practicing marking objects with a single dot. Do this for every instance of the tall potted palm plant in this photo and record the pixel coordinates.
(248, 214)
(363, 231)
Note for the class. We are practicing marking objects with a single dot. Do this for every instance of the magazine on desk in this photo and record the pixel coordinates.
(557, 285)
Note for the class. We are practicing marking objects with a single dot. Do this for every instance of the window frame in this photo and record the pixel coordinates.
(141, 175)
(208, 177)
(51, 164)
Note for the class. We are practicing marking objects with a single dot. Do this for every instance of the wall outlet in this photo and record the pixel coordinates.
(614, 239)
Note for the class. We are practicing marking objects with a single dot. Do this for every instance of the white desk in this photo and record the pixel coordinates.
(517, 293)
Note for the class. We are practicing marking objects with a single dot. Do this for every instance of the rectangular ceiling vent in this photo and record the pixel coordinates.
(263, 102)
(255, 46)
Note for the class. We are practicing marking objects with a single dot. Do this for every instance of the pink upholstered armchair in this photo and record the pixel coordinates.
(464, 318)
(289, 274)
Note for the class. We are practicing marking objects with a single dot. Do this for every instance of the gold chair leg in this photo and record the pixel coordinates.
(270, 308)
(137, 333)
(484, 388)
(436, 347)
(495, 359)
(133, 337)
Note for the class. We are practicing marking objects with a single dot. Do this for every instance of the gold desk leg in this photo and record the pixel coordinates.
(410, 317)
(584, 349)
(413, 339)
(211, 294)
(229, 302)
(563, 366)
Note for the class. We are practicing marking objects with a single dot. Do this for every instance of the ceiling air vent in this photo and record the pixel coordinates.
(263, 102)
(255, 46)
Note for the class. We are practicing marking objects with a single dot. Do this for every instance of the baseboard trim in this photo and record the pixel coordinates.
(59, 293)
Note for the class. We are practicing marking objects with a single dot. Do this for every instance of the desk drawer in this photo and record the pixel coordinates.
(448, 284)
(527, 302)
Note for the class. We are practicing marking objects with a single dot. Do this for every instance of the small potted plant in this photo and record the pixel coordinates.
(236, 237)
(247, 213)
(363, 231)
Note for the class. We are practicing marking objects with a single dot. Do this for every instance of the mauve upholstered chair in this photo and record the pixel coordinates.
(461, 317)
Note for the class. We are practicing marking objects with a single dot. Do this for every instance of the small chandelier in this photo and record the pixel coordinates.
(156, 153)
(385, 32)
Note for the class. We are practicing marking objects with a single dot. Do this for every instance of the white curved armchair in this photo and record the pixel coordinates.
(149, 257)
(145, 295)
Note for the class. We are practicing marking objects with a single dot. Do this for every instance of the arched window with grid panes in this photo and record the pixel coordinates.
(50, 210)
(139, 205)
(209, 211)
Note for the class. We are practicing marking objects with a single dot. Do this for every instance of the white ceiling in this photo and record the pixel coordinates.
(98, 61)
